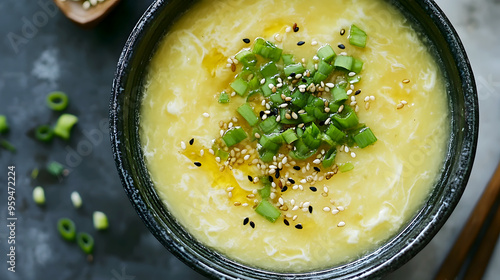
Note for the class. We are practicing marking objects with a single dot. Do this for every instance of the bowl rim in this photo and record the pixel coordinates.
(204, 264)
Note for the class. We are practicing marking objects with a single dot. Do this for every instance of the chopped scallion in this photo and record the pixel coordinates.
(344, 61)
(365, 137)
(294, 68)
(357, 37)
(289, 136)
(267, 49)
(55, 168)
(4, 125)
(268, 211)
(270, 125)
(57, 100)
(234, 136)
(67, 229)
(246, 57)
(100, 220)
(76, 199)
(248, 114)
(44, 133)
(86, 242)
(224, 97)
(329, 158)
(240, 86)
(346, 167)
(269, 70)
(64, 125)
(326, 53)
(39, 195)
(7, 145)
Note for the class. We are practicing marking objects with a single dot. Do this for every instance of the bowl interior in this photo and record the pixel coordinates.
(426, 18)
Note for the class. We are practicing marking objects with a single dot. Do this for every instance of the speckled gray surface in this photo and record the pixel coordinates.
(50, 53)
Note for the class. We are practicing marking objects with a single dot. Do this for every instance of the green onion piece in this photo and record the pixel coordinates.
(302, 151)
(354, 79)
(7, 145)
(223, 155)
(365, 138)
(234, 136)
(311, 66)
(299, 99)
(253, 84)
(334, 133)
(253, 93)
(44, 133)
(265, 192)
(64, 125)
(357, 65)
(57, 100)
(294, 68)
(326, 53)
(248, 114)
(339, 95)
(347, 118)
(318, 77)
(67, 228)
(311, 137)
(224, 97)
(270, 125)
(276, 99)
(287, 59)
(271, 143)
(325, 68)
(346, 167)
(4, 125)
(246, 57)
(289, 136)
(344, 61)
(327, 139)
(266, 91)
(268, 211)
(240, 86)
(307, 118)
(86, 242)
(76, 199)
(100, 220)
(39, 195)
(269, 70)
(55, 168)
(266, 155)
(329, 158)
(267, 49)
(357, 37)
(34, 173)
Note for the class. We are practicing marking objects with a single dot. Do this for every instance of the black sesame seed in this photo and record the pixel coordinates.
(300, 43)
(270, 178)
(304, 80)
(286, 222)
(252, 224)
(296, 168)
(197, 163)
(310, 209)
(313, 189)
(277, 174)
(246, 40)
(298, 226)
(191, 142)
(341, 46)
(250, 178)
(342, 32)
(245, 221)
(274, 111)
(357, 92)
(291, 180)
(296, 29)
(284, 189)
(321, 123)
(317, 169)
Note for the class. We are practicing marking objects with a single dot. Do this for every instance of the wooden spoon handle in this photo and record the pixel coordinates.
(458, 254)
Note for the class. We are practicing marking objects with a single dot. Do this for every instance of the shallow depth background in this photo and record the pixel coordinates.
(41, 51)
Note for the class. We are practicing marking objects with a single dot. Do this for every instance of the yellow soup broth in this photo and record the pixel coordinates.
(402, 100)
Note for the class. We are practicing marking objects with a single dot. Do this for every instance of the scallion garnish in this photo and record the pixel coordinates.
(365, 137)
(268, 211)
(357, 37)
(248, 114)
(224, 97)
(234, 136)
(100, 220)
(346, 167)
(76, 199)
(44, 133)
(39, 195)
(7, 145)
(64, 125)
(55, 168)
(57, 100)
(4, 125)
(86, 242)
(67, 229)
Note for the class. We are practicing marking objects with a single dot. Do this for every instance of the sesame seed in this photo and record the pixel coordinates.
(352, 74)
(252, 224)
(291, 180)
(257, 135)
(272, 195)
(251, 195)
(356, 109)
(404, 102)
(335, 211)
(341, 224)
(325, 189)
(246, 157)
(298, 226)
(211, 151)
(183, 145)
(300, 43)
(405, 81)
(310, 208)
(327, 110)
(303, 181)
(357, 92)
(346, 149)
(294, 115)
(306, 204)
(230, 194)
(197, 163)
(206, 115)
(340, 208)
(217, 159)
(296, 167)
(372, 98)
(367, 98)
(245, 221)
(263, 81)
(244, 204)
(326, 209)
(367, 105)
(250, 178)
(341, 108)
(280, 200)
(400, 105)
(353, 155)
(342, 32)
(317, 161)
(246, 40)
(284, 189)
(191, 142)
(353, 103)
(341, 46)
(314, 43)
(296, 29)
(313, 189)
(288, 29)
(317, 169)
(343, 53)
(349, 92)
(286, 222)
(295, 208)
(277, 37)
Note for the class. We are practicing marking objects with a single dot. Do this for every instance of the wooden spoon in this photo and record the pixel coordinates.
(86, 18)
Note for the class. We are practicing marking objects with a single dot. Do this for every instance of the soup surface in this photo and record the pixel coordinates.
(327, 217)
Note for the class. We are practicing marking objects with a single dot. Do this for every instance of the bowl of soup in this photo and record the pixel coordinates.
(294, 139)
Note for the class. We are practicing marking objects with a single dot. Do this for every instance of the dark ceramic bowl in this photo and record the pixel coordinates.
(426, 18)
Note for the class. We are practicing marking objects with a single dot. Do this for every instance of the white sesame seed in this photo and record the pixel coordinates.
(298, 76)
(264, 117)
(367, 105)
(86, 5)
(400, 105)
(301, 187)
(280, 200)
(272, 171)
(335, 211)
(244, 204)
(257, 135)
(272, 195)
(353, 103)
(367, 98)
(217, 159)
(404, 102)
(356, 109)
(294, 217)
(340, 208)
(206, 115)
(330, 85)
(292, 202)
(326, 209)
(353, 98)
(314, 43)
(295, 208)
(325, 189)
(317, 161)
(305, 209)
(306, 204)
(343, 53)
(263, 81)
(246, 157)
(288, 98)
(230, 194)
(341, 224)
(294, 115)
(341, 108)
(346, 149)
(229, 60)
(288, 29)
(328, 120)
(230, 189)
(349, 92)
(303, 181)
(295, 187)
(273, 167)
(270, 86)
(211, 151)
(284, 105)
(221, 132)
(353, 155)
(277, 37)
(372, 98)
(233, 94)
(351, 74)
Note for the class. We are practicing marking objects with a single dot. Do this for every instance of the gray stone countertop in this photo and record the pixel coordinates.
(41, 51)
